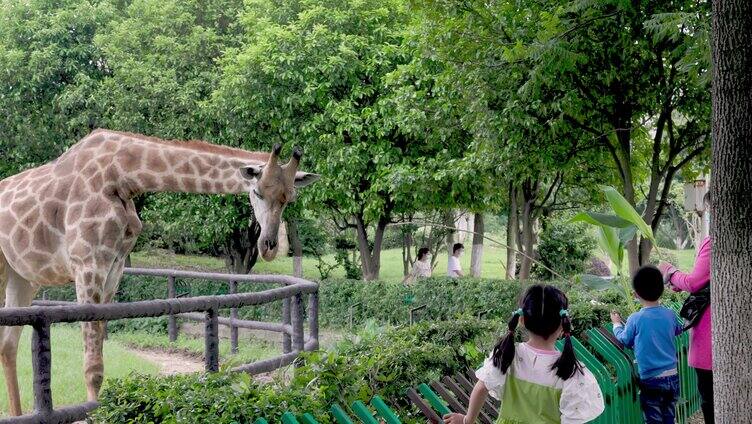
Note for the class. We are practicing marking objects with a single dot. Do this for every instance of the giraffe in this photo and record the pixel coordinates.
(74, 220)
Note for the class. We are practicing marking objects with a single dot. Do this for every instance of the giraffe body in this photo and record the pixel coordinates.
(74, 220)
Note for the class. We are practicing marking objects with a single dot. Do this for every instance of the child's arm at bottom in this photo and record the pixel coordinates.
(477, 399)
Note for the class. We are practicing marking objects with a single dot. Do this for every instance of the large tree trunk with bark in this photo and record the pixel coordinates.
(512, 230)
(731, 210)
(297, 248)
(476, 258)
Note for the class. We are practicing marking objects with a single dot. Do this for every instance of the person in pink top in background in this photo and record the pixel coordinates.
(700, 340)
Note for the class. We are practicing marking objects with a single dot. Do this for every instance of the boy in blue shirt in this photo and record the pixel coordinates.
(650, 332)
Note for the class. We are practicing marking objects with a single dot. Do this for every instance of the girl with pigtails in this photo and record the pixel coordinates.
(536, 383)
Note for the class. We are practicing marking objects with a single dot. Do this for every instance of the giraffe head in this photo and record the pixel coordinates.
(273, 186)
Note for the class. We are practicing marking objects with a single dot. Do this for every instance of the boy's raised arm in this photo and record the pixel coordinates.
(624, 333)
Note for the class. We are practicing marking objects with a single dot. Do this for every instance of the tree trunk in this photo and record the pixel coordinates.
(378, 239)
(680, 228)
(297, 248)
(512, 230)
(407, 252)
(366, 264)
(731, 225)
(370, 260)
(528, 241)
(476, 256)
(646, 247)
(527, 237)
(241, 249)
(449, 223)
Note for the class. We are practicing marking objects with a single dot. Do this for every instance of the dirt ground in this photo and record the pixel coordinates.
(170, 363)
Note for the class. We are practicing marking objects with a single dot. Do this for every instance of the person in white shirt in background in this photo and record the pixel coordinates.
(421, 267)
(454, 269)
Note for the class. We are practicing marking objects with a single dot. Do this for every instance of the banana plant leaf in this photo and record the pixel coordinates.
(608, 240)
(627, 234)
(595, 218)
(623, 209)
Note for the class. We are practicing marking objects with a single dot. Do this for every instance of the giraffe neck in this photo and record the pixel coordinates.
(149, 166)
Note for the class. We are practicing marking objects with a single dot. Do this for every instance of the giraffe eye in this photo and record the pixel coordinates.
(258, 194)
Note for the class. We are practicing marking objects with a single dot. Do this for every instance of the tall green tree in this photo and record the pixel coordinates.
(315, 74)
(634, 76)
(162, 61)
(517, 127)
(46, 49)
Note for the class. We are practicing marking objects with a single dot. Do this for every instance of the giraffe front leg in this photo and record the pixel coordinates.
(19, 293)
(93, 363)
(89, 289)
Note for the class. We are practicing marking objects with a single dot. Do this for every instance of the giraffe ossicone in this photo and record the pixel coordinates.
(73, 219)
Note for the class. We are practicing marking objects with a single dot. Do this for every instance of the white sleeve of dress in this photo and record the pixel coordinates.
(581, 399)
(492, 378)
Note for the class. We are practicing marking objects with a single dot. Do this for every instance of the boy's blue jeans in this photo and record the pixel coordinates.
(658, 398)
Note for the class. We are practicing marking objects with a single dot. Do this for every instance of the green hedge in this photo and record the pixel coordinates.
(379, 363)
(384, 302)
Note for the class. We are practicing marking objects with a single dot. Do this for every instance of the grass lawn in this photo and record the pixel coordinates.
(685, 259)
(391, 263)
(247, 351)
(494, 259)
(67, 367)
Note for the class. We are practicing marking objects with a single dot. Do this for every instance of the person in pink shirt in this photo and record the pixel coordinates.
(700, 341)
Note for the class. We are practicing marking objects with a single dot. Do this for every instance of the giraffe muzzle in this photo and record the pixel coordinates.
(268, 248)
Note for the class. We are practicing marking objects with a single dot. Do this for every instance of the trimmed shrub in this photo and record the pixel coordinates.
(221, 398)
(385, 365)
(564, 248)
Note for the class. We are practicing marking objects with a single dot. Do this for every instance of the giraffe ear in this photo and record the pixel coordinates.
(303, 179)
(251, 171)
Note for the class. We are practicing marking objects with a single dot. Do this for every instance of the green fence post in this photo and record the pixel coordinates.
(384, 411)
(289, 418)
(433, 399)
(308, 419)
(362, 412)
(340, 415)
